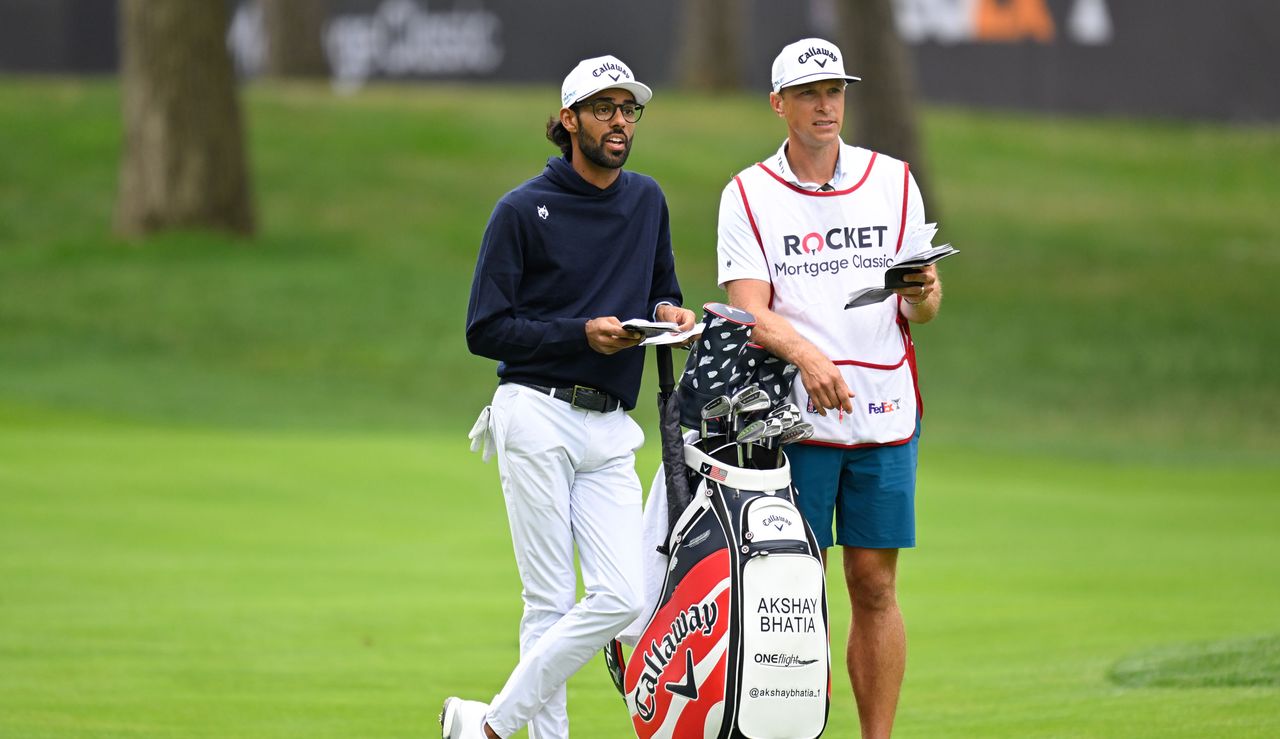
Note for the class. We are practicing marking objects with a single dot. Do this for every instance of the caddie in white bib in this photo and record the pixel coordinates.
(818, 246)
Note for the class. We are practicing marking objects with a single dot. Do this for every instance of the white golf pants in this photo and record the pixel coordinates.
(568, 476)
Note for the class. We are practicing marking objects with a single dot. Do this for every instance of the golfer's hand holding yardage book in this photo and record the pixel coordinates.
(662, 333)
(919, 252)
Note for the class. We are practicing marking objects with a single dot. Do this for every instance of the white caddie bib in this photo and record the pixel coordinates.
(818, 247)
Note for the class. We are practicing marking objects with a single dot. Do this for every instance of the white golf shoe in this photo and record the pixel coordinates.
(462, 719)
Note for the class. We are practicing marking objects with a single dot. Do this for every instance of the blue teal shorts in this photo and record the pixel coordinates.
(869, 493)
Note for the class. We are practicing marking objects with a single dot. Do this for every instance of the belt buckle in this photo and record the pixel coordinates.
(586, 392)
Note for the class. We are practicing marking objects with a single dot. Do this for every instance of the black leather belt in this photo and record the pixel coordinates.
(579, 396)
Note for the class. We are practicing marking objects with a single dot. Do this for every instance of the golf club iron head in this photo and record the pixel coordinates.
(798, 432)
(752, 432)
(746, 394)
(748, 436)
(750, 399)
(753, 411)
(718, 407)
(789, 414)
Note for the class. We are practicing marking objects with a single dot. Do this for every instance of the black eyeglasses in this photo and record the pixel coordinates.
(604, 110)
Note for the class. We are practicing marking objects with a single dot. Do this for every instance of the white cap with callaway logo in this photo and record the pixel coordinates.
(601, 73)
(808, 60)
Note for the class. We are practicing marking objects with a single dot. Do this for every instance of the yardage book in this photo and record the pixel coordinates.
(675, 338)
(920, 253)
(649, 328)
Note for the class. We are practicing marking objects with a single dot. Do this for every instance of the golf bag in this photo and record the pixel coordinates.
(737, 646)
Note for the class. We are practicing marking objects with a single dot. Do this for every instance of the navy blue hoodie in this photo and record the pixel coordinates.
(557, 252)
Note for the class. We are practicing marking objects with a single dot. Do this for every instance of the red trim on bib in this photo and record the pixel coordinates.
(910, 358)
(905, 326)
(746, 205)
(834, 445)
(902, 227)
(908, 355)
(818, 193)
(870, 365)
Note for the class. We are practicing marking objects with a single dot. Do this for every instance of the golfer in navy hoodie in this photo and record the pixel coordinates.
(566, 257)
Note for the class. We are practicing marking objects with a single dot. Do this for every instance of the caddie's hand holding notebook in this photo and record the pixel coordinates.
(918, 252)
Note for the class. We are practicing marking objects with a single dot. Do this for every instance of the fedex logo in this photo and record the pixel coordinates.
(884, 406)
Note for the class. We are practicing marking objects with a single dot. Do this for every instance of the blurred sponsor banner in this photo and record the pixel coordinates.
(1145, 57)
(57, 36)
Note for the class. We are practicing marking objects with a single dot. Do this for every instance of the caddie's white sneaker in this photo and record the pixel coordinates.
(461, 719)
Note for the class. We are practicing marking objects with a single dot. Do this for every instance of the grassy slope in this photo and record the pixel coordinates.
(230, 472)
(1112, 292)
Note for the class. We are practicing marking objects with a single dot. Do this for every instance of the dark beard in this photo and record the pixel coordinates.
(595, 151)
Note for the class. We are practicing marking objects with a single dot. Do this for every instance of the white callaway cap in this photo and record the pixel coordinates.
(808, 60)
(601, 73)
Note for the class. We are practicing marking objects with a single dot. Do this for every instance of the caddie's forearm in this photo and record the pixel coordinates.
(780, 338)
(772, 331)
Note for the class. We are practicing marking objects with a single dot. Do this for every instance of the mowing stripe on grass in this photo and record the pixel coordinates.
(1250, 662)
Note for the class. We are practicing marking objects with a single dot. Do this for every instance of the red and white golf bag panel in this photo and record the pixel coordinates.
(675, 679)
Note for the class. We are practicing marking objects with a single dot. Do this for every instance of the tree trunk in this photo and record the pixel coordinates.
(294, 30)
(183, 161)
(711, 46)
(884, 101)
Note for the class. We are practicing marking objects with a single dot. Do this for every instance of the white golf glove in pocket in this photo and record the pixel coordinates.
(481, 439)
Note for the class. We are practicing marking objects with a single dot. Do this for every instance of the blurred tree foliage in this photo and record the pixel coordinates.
(294, 32)
(710, 55)
(884, 102)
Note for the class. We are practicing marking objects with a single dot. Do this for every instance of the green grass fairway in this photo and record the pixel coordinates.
(236, 498)
(218, 584)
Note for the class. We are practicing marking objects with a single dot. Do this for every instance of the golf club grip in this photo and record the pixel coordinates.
(666, 380)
